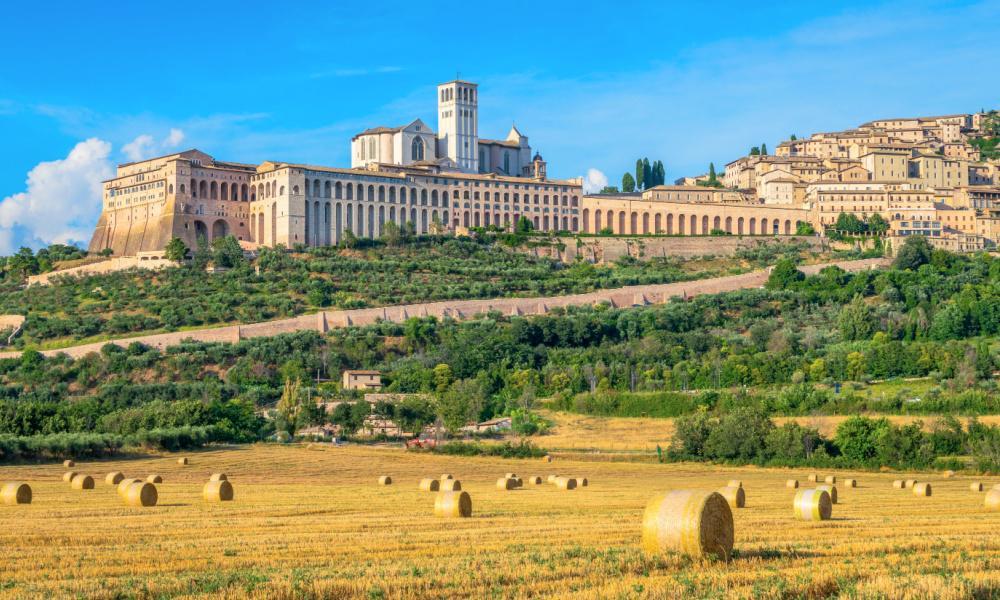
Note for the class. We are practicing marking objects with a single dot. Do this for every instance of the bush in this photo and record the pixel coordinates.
(523, 449)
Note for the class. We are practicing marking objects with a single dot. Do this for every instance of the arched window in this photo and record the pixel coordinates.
(417, 149)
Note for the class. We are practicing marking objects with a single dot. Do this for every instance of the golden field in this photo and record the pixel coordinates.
(576, 432)
(312, 522)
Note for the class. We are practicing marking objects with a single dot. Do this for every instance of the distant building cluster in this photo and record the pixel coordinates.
(921, 175)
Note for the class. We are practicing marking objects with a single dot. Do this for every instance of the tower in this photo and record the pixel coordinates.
(458, 123)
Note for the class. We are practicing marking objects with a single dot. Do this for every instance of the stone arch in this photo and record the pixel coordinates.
(753, 225)
(704, 224)
(729, 224)
(260, 228)
(200, 231)
(788, 227)
(586, 220)
(694, 225)
(657, 223)
(681, 224)
(739, 226)
(220, 229)
(763, 227)
(717, 223)
(670, 223)
(621, 222)
(597, 221)
(213, 191)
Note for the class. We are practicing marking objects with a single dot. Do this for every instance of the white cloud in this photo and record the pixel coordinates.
(62, 200)
(174, 138)
(140, 148)
(595, 181)
(145, 145)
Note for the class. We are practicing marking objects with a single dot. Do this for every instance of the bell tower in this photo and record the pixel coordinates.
(458, 123)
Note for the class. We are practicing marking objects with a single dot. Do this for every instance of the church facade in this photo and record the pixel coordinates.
(455, 146)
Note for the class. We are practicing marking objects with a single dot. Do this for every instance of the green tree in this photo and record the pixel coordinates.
(227, 252)
(916, 251)
(763, 149)
(858, 437)
(855, 320)
(849, 223)
(640, 175)
(443, 378)
(712, 178)
(803, 228)
(647, 175)
(611, 189)
(783, 275)
(793, 138)
(877, 224)
(176, 250)
(460, 404)
(628, 183)
(391, 234)
(291, 405)
(755, 151)
(524, 225)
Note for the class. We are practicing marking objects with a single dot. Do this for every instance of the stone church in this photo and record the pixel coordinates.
(455, 146)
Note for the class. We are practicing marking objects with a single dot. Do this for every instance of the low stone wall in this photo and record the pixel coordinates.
(111, 265)
(603, 249)
(459, 309)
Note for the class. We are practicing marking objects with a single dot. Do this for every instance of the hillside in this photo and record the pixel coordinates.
(280, 284)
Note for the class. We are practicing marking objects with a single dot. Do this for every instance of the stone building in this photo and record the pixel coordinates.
(186, 195)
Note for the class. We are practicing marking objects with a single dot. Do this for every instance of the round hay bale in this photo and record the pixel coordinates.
(154, 479)
(735, 496)
(909, 483)
(114, 478)
(992, 501)
(899, 484)
(507, 483)
(69, 475)
(16, 492)
(792, 483)
(535, 480)
(976, 486)
(692, 522)
(455, 504)
(565, 483)
(949, 473)
(383, 480)
(451, 485)
(447, 476)
(141, 493)
(813, 478)
(82, 482)
(851, 483)
(182, 460)
(921, 489)
(217, 491)
(429, 485)
(812, 505)
(831, 479)
(552, 478)
(829, 489)
(69, 464)
(547, 458)
(218, 477)
(123, 485)
(734, 483)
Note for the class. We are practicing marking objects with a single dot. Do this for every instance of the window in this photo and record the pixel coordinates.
(417, 149)
(506, 162)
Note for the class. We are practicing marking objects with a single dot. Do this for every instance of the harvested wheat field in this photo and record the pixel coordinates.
(312, 523)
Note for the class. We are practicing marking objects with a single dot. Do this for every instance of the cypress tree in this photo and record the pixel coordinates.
(763, 149)
(640, 179)
(647, 174)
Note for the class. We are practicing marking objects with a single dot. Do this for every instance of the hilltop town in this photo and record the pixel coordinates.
(891, 178)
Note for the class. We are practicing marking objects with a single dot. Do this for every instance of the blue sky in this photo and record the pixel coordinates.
(593, 85)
